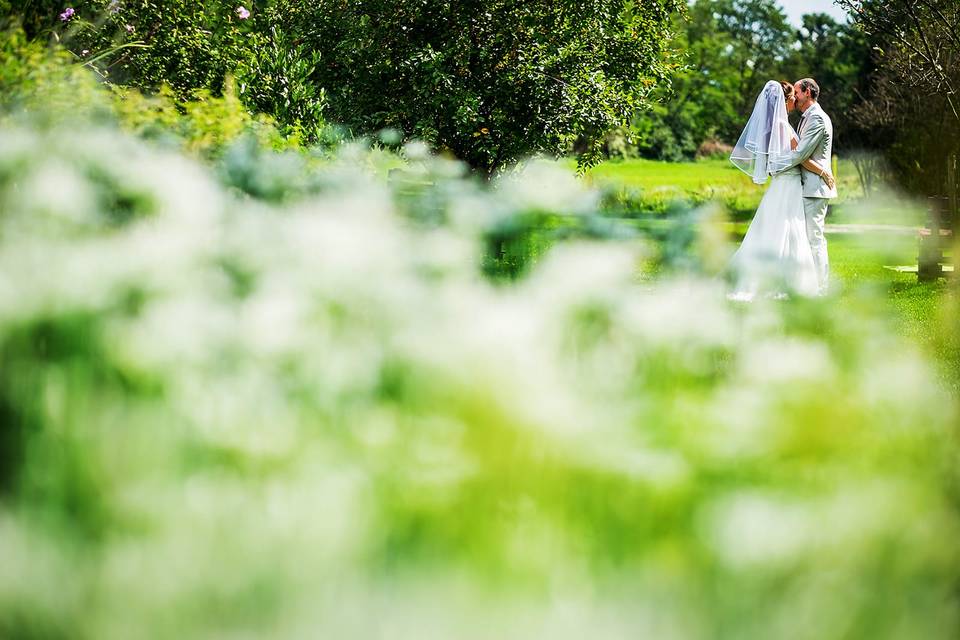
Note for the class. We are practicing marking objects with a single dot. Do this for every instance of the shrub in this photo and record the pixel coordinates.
(190, 51)
(38, 81)
(713, 148)
(46, 86)
(187, 45)
(279, 78)
(656, 136)
(205, 124)
(620, 144)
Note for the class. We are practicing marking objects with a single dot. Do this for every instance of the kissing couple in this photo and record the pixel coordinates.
(784, 251)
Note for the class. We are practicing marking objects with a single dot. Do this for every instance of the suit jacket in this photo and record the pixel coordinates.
(816, 143)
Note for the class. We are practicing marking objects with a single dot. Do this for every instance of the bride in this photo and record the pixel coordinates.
(774, 258)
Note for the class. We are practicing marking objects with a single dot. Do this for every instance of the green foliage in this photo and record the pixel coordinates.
(731, 49)
(668, 131)
(743, 43)
(193, 48)
(911, 110)
(279, 79)
(188, 45)
(220, 417)
(489, 81)
(204, 124)
(38, 18)
(40, 81)
(838, 56)
(47, 86)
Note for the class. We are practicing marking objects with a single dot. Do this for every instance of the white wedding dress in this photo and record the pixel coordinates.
(774, 259)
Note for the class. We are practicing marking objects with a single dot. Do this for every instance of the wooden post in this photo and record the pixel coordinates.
(952, 183)
(953, 207)
(944, 216)
(931, 246)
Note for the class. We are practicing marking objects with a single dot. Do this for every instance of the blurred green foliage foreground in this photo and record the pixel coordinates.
(221, 417)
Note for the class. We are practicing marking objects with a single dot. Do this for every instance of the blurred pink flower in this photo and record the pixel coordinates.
(67, 14)
(242, 12)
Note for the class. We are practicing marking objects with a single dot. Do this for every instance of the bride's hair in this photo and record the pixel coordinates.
(787, 89)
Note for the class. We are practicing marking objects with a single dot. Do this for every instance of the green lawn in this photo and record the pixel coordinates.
(680, 176)
(638, 187)
(858, 261)
(699, 176)
(916, 310)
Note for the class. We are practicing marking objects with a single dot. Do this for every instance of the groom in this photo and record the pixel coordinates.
(816, 142)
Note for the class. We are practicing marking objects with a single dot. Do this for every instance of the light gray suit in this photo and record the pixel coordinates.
(816, 143)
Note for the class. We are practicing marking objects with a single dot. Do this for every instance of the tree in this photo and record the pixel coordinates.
(838, 56)
(923, 40)
(732, 47)
(187, 44)
(492, 80)
(757, 40)
(913, 95)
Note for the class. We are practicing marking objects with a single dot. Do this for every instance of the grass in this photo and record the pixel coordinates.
(639, 187)
(858, 260)
(699, 176)
(686, 177)
(918, 311)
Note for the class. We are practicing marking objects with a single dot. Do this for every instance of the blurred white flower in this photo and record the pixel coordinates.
(750, 530)
(682, 314)
(53, 199)
(786, 360)
(542, 185)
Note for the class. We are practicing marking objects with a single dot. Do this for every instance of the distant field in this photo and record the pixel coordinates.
(645, 187)
(700, 176)
(686, 176)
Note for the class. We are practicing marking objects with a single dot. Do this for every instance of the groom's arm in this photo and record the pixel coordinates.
(811, 137)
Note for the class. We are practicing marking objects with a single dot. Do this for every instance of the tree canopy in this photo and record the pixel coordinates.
(491, 81)
(488, 81)
(732, 47)
(912, 96)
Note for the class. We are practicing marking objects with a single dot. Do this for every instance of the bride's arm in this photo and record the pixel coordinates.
(812, 166)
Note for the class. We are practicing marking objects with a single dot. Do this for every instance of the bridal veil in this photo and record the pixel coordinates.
(764, 145)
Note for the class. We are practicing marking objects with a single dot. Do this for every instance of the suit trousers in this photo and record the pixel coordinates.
(815, 211)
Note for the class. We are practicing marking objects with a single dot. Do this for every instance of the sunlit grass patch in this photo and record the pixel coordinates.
(645, 187)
